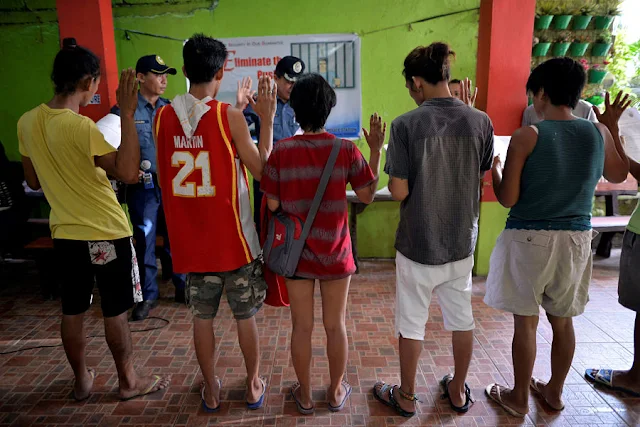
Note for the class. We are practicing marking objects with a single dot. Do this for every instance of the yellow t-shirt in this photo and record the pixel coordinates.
(61, 145)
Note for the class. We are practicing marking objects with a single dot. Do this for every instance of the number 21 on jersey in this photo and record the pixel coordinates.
(181, 185)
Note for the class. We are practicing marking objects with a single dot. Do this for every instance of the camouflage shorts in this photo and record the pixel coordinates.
(245, 287)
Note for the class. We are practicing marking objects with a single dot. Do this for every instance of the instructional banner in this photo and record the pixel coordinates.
(336, 57)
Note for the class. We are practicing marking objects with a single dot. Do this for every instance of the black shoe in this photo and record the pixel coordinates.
(141, 310)
(180, 296)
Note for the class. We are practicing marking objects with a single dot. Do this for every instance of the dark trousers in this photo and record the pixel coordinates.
(147, 217)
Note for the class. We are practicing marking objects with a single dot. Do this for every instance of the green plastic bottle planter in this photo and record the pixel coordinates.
(541, 49)
(543, 22)
(597, 76)
(578, 49)
(603, 22)
(561, 22)
(560, 49)
(581, 22)
(600, 49)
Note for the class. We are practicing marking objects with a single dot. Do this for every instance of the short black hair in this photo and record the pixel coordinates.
(73, 64)
(203, 57)
(454, 81)
(312, 99)
(432, 63)
(561, 79)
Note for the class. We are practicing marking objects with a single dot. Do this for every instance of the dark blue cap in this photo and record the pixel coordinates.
(290, 68)
(153, 64)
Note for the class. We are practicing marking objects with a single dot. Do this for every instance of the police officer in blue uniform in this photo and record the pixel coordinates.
(144, 199)
(288, 69)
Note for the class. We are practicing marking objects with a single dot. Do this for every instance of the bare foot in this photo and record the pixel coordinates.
(504, 396)
(297, 394)
(405, 404)
(211, 393)
(457, 395)
(144, 385)
(337, 398)
(82, 386)
(255, 389)
(626, 380)
(554, 400)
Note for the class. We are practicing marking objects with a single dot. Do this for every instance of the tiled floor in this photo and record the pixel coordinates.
(35, 385)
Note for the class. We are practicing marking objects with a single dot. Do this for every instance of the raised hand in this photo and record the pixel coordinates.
(497, 163)
(127, 92)
(612, 112)
(375, 135)
(467, 96)
(266, 103)
(244, 93)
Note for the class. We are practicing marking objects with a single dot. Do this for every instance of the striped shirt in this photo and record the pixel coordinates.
(292, 175)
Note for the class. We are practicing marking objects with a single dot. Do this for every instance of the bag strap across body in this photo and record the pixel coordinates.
(322, 187)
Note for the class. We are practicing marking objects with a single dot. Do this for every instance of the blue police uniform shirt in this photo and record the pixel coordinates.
(143, 117)
(284, 122)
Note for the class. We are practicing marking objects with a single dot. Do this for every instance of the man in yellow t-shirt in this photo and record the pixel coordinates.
(65, 154)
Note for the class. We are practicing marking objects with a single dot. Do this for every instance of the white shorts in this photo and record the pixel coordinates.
(533, 268)
(415, 284)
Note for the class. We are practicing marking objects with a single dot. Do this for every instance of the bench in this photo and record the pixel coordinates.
(612, 223)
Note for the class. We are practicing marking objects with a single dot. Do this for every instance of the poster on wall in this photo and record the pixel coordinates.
(336, 57)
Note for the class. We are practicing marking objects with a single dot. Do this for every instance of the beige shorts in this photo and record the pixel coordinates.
(533, 268)
(415, 284)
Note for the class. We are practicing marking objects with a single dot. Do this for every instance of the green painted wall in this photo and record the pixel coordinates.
(383, 26)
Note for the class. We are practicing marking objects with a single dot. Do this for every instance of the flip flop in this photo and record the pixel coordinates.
(498, 400)
(444, 384)
(148, 390)
(260, 402)
(339, 408)
(93, 374)
(535, 386)
(392, 402)
(301, 409)
(605, 378)
(205, 407)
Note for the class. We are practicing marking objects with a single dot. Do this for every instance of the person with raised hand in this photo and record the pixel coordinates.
(290, 181)
(65, 154)
(203, 146)
(543, 257)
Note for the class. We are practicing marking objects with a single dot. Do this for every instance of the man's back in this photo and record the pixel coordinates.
(62, 146)
(205, 191)
(441, 148)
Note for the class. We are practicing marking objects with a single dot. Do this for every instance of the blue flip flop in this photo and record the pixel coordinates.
(339, 408)
(605, 378)
(301, 409)
(260, 402)
(205, 407)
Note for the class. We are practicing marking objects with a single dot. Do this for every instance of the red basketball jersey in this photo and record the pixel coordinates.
(205, 193)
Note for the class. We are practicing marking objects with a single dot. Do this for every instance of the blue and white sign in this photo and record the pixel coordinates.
(334, 56)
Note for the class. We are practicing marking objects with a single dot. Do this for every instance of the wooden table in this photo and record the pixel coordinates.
(610, 192)
(356, 207)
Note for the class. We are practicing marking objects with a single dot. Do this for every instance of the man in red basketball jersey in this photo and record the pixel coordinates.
(203, 147)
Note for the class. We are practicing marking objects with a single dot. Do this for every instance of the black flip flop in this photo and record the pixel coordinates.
(392, 403)
(444, 384)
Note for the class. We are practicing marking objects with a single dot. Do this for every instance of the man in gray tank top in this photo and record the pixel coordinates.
(543, 257)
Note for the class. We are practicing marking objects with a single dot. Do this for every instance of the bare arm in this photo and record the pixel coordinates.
(124, 164)
(255, 157)
(30, 174)
(399, 188)
(506, 181)
(375, 139)
(616, 163)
